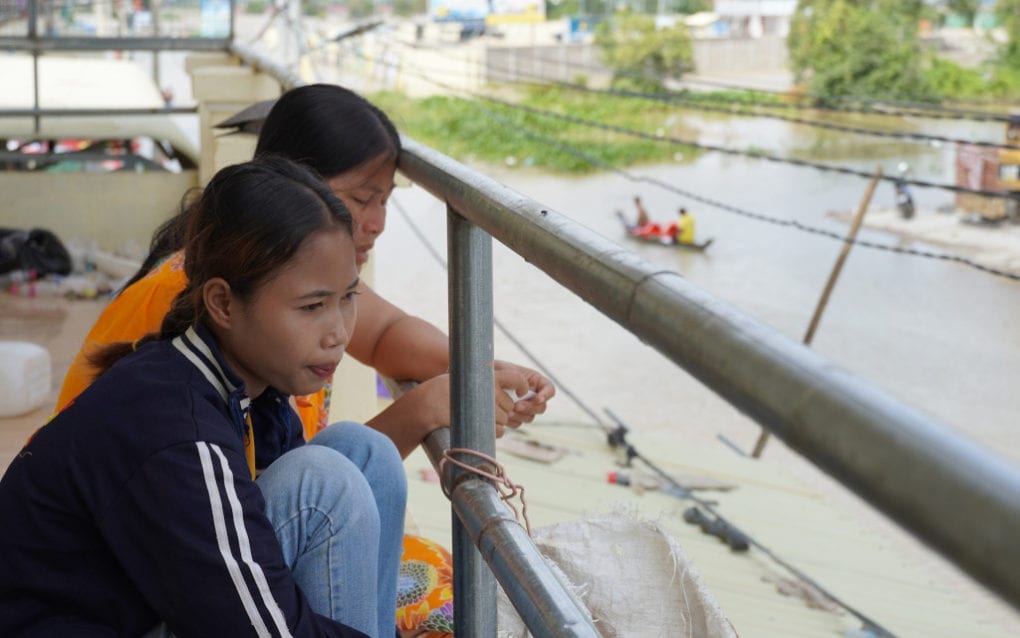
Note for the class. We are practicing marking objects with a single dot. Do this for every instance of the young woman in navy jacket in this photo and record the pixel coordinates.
(138, 510)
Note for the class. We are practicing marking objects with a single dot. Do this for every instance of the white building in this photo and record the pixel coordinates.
(755, 18)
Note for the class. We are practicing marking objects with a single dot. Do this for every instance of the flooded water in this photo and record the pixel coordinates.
(937, 335)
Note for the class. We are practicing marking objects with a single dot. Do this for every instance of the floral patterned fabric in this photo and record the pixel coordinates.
(425, 590)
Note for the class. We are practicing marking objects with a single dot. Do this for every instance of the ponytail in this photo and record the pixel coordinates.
(184, 312)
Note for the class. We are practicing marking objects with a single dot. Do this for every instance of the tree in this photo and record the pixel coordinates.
(847, 48)
(966, 8)
(360, 8)
(691, 6)
(641, 55)
(1008, 12)
(407, 8)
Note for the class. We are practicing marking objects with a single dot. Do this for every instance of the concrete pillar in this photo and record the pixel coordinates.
(221, 89)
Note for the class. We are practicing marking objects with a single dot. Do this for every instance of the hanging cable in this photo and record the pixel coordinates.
(499, 324)
(790, 223)
(574, 119)
(685, 99)
(617, 439)
(844, 104)
(733, 109)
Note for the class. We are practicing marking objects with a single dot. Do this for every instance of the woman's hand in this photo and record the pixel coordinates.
(426, 407)
(525, 409)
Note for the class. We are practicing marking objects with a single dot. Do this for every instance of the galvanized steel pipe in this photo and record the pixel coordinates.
(472, 408)
(256, 60)
(539, 597)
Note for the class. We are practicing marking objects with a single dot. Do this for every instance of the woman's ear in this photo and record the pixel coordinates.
(218, 301)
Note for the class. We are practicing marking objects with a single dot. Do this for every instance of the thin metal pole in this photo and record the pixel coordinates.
(855, 225)
(32, 35)
(472, 407)
(156, 6)
(119, 43)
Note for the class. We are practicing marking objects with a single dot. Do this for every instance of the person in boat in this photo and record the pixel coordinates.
(684, 231)
(642, 214)
(138, 510)
(355, 146)
(647, 229)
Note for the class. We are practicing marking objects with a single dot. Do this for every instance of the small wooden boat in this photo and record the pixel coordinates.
(664, 240)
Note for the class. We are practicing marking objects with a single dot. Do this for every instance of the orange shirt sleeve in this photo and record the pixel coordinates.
(313, 410)
(134, 313)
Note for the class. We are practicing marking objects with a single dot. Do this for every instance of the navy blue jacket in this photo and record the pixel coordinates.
(135, 505)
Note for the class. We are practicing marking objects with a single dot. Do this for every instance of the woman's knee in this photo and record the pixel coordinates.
(369, 449)
(319, 477)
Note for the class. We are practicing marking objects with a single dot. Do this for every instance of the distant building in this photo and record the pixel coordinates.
(990, 169)
(756, 18)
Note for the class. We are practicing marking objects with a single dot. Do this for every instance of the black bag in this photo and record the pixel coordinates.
(37, 249)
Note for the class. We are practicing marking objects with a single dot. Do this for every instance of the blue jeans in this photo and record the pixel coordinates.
(377, 459)
(337, 505)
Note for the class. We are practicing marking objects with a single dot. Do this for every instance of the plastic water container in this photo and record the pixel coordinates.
(24, 377)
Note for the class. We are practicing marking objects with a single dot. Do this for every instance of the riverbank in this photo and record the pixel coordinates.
(991, 246)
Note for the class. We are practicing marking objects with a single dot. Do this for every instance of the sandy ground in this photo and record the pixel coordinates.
(992, 246)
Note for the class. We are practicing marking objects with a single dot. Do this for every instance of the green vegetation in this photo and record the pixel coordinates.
(557, 9)
(967, 9)
(872, 49)
(468, 131)
(641, 55)
(407, 8)
(1008, 64)
(256, 7)
(848, 48)
(692, 6)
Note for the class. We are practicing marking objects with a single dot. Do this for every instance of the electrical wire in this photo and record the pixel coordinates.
(843, 104)
(617, 439)
(561, 387)
(689, 101)
(790, 223)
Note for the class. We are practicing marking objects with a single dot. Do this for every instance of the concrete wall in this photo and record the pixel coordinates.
(112, 209)
(739, 54)
(567, 62)
(560, 63)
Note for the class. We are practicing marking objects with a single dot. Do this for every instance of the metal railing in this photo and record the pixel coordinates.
(36, 44)
(956, 496)
(951, 493)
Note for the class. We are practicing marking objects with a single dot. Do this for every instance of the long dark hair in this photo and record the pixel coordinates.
(327, 127)
(250, 220)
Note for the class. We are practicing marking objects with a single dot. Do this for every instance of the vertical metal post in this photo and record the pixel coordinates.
(472, 409)
(33, 14)
(154, 7)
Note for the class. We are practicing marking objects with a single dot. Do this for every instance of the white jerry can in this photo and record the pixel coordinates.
(24, 377)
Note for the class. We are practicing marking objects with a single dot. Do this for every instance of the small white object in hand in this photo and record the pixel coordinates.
(530, 394)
